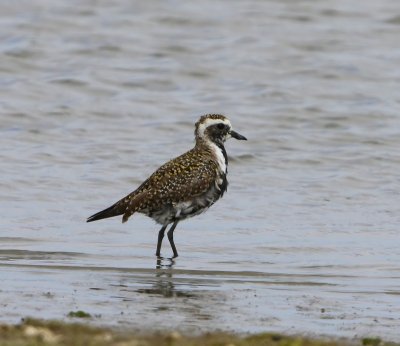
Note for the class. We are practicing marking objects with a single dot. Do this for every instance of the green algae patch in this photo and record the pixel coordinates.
(272, 339)
(38, 333)
(371, 342)
(33, 332)
(79, 314)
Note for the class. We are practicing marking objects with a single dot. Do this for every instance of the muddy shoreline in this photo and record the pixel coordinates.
(43, 333)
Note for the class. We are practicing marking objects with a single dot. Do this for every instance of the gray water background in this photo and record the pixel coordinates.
(95, 95)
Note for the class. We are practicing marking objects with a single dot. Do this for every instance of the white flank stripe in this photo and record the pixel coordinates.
(220, 157)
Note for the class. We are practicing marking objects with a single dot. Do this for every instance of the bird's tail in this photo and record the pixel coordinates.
(114, 210)
(127, 206)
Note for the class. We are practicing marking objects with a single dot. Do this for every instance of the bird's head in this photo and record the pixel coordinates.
(215, 128)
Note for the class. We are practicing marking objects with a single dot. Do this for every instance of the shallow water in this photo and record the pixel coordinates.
(96, 95)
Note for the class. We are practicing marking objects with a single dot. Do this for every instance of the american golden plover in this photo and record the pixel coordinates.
(185, 186)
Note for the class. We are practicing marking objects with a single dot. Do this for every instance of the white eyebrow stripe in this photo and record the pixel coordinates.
(210, 122)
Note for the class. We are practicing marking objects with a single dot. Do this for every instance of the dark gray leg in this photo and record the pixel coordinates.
(171, 238)
(160, 238)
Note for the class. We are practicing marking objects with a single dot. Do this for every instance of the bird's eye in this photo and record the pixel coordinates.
(221, 126)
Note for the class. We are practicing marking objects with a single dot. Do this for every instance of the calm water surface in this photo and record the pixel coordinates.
(97, 94)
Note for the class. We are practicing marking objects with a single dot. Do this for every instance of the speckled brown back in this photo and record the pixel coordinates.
(180, 179)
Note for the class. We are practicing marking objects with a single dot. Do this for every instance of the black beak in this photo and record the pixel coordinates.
(238, 136)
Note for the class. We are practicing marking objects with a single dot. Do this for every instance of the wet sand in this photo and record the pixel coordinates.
(166, 297)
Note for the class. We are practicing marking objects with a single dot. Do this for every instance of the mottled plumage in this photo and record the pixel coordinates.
(185, 186)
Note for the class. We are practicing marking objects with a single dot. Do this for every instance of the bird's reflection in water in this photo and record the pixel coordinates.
(165, 262)
(163, 283)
